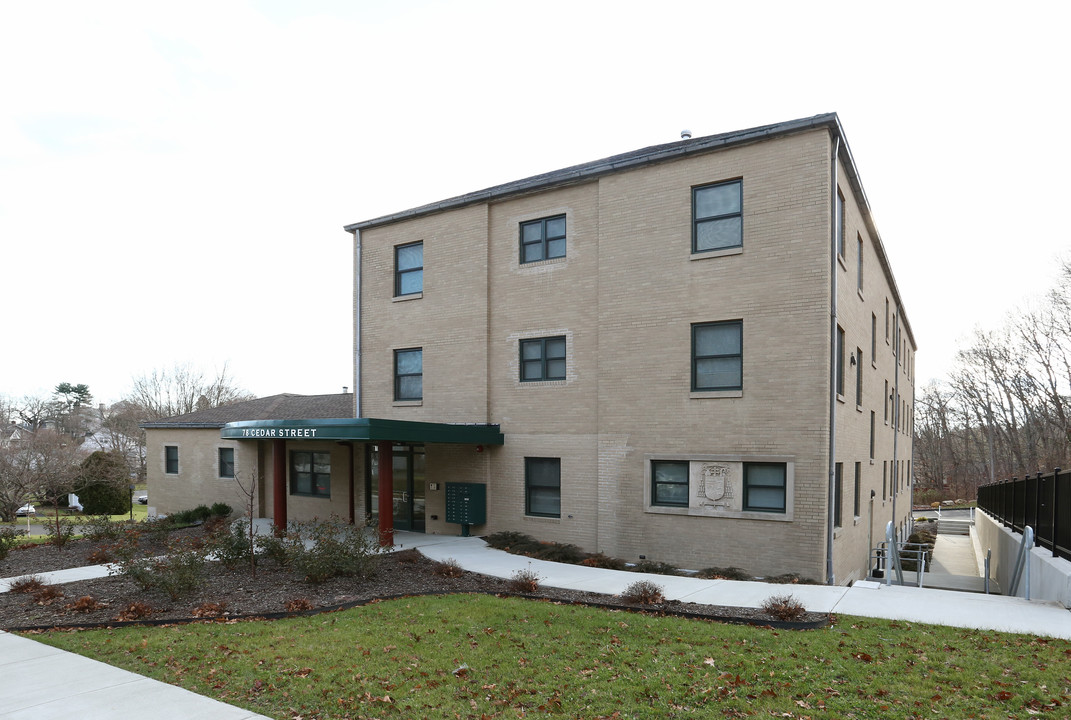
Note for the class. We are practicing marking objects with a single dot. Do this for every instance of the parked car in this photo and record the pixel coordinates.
(25, 510)
(143, 499)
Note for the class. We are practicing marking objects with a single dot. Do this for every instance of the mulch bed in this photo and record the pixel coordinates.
(236, 593)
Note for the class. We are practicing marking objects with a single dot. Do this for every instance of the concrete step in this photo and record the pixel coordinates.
(951, 526)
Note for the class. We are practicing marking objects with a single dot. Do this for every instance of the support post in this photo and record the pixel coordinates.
(278, 460)
(385, 451)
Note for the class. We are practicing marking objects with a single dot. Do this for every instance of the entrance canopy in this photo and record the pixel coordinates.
(364, 429)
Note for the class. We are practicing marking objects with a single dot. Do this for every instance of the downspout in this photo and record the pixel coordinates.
(896, 413)
(357, 323)
(834, 359)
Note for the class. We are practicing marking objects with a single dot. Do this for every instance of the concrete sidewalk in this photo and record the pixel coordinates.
(868, 599)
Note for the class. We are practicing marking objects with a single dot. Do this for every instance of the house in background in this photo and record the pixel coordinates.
(695, 352)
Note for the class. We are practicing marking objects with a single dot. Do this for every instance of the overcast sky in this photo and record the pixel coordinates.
(174, 177)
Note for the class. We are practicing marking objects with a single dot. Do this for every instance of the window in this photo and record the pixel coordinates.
(858, 487)
(310, 473)
(717, 360)
(872, 419)
(409, 269)
(543, 487)
(887, 402)
(543, 359)
(840, 224)
(717, 218)
(226, 462)
(886, 321)
(884, 479)
(859, 263)
(669, 483)
(838, 491)
(543, 239)
(840, 361)
(859, 377)
(873, 339)
(409, 374)
(171, 459)
(764, 487)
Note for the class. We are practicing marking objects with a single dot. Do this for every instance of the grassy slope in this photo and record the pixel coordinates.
(484, 657)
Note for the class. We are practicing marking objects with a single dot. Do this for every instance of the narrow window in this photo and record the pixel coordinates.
(717, 217)
(859, 377)
(859, 263)
(171, 459)
(886, 321)
(887, 402)
(840, 361)
(840, 224)
(543, 239)
(764, 487)
(543, 359)
(669, 483)
(226, 462)
(872, 420)
(884, 479)
(858, 486)
(838, 491)
(310, 473)
(717, 356)
(409, 374)
(409, 269)
(873, 339)
(543, 486)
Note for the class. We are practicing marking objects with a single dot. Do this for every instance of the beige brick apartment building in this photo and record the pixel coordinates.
(694, 352)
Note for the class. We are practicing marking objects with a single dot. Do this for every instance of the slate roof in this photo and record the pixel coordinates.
(285, 406)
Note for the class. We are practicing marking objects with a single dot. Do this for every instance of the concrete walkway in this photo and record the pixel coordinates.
(39, 682)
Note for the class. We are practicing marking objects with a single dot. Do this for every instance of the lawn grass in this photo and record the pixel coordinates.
(475, 656)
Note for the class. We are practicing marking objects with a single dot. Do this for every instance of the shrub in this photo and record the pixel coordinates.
(209, 610)
(783, 607)
(524, 581)
(598, 560)
(134, 611)
(27, 584)
(514, 542)
(323, 550)
(643, 592)
(191, 517)
(448, 568)
(409, 556)
(9, 538)
(220, 510)
(654, 567)
(725, 573)
(563, 553)
(298, 605)
(47, 594)
(230, 545)
(59, 530)
(100, 527)
(99, 557)
(791, 579)
(272, 549)
(86, 603)
(103, 484)
(178, 573)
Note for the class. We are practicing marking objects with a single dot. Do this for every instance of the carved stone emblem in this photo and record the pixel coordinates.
(715, 490)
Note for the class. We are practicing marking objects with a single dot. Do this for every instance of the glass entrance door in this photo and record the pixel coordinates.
(408, 493)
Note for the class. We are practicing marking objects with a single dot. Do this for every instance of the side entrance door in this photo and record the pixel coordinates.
(409, 487)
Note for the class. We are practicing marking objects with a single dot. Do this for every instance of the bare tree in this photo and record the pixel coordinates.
(44, 465)
(34, 411)
(119, 432)
(182, 389)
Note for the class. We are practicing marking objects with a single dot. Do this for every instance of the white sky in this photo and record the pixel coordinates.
(174, 177)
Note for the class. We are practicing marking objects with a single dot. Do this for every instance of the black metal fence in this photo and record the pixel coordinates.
(1043, 502)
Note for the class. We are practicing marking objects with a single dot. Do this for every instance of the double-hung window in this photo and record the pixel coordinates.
(717, 356)
(764, 487)
(543, 239)
(409, 269)
(840, 362)
(171, 459)
(409, 374)
(310, 473)
(543, 486)
(840, 224)
(226, 462)
(543, 359)
(669, 483)
(717, 216)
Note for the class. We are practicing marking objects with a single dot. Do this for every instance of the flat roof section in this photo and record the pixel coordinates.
(366, 429)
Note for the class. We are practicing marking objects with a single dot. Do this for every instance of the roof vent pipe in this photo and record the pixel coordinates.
(686, 134)
(345, 389)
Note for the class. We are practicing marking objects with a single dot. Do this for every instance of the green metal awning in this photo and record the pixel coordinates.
(364, 429)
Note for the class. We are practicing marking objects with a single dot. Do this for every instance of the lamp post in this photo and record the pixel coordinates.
(131, 502)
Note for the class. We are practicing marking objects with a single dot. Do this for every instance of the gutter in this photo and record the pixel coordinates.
(834, 360)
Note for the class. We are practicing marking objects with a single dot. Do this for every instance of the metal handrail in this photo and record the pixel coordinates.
(1022, 563)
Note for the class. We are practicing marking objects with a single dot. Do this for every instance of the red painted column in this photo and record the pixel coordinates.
(278, 461)
(386, 493)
